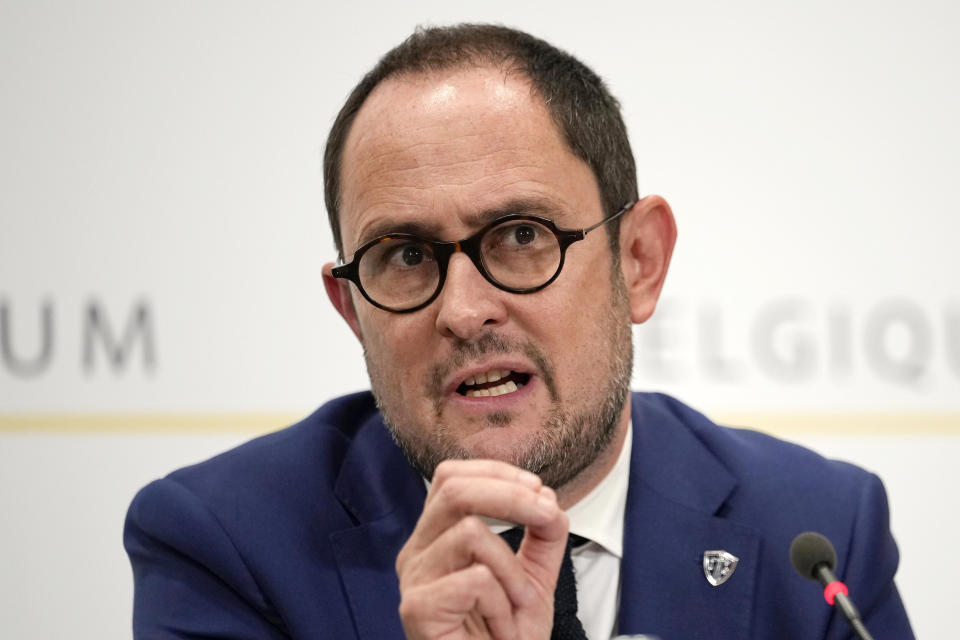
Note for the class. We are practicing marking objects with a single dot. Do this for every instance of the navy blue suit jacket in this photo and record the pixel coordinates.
(294, 534)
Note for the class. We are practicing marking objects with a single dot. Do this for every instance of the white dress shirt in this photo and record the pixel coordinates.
(599, 517)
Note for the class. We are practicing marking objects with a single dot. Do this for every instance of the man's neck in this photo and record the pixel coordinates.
(585, 481)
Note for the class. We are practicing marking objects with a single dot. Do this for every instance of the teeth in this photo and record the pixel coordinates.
(488, 376)
(508, 387)
(493, 375)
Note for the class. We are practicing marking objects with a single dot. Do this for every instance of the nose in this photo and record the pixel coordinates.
(467, 303)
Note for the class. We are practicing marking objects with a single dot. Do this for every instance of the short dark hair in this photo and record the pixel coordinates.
(585, 112)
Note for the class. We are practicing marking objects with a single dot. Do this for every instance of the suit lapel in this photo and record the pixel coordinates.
(677, 491)
(385, 495)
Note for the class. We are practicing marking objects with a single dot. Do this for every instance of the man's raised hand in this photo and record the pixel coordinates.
(459, 580)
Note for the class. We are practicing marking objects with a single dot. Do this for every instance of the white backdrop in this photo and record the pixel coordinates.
(162, 230)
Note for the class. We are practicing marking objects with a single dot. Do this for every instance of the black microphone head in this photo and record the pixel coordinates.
(808, 551)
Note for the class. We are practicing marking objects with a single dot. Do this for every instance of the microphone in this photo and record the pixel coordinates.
(814, 558)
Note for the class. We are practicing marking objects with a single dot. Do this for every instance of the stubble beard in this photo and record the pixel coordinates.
(569, 439)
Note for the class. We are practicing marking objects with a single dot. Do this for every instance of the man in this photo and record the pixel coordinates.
(482, 194)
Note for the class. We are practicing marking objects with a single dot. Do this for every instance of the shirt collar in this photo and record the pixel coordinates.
(599, 514)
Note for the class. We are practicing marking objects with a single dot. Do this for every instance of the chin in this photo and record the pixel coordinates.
(512, 450)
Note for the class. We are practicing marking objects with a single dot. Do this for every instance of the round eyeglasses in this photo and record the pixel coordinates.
(519, 253)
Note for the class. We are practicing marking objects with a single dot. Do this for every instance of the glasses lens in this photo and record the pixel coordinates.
(520, 254)
(399, 272)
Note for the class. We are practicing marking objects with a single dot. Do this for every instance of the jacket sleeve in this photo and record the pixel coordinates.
(190, 581)
(871, 562)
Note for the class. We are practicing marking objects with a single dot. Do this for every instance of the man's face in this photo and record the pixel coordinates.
(443, 154)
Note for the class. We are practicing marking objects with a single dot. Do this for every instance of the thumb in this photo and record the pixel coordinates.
(543, 547)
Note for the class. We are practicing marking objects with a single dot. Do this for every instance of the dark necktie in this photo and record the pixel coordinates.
(566, 625)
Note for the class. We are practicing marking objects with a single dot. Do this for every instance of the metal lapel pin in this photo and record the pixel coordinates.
(718, 566)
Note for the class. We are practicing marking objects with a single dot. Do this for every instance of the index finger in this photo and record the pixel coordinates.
(461, 496)
(482, 469)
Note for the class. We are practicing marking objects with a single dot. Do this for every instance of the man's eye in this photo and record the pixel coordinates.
(408, 255)
(412, 255)
(515, 236)
(524, 234)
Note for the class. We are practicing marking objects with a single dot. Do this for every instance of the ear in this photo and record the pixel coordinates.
(338, 290)
(647, 236)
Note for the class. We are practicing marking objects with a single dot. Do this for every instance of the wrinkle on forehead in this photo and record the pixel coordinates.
(441, 140)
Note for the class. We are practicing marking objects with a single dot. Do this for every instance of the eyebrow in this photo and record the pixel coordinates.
(432, 231)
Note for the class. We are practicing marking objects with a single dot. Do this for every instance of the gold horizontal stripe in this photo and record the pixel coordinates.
(785, 423)
(179, 423)
(867, 423)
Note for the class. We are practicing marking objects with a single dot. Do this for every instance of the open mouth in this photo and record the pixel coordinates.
(495, 382)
